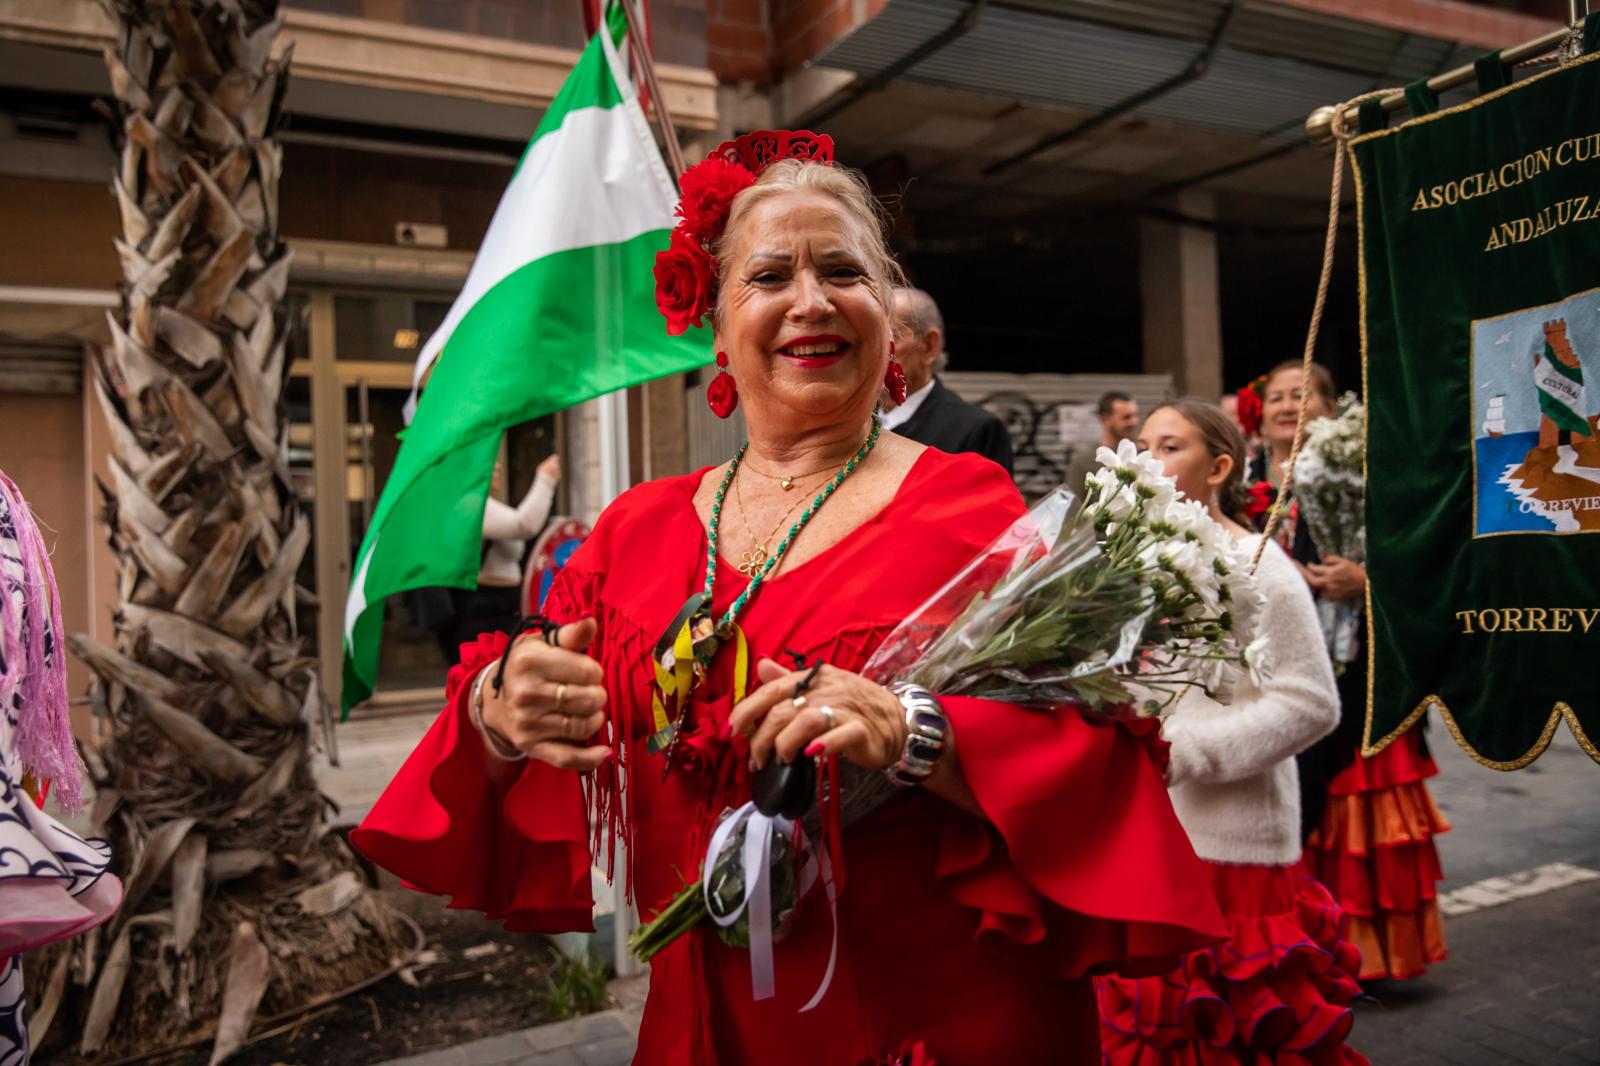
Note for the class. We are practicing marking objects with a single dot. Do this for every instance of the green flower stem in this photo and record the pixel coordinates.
(686, 910)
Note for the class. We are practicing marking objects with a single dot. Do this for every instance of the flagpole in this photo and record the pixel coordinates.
(613, 430)
(658, 102)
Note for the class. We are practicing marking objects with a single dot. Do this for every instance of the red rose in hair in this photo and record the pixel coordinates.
(707, 190)
(685, 276)
(1248, 409)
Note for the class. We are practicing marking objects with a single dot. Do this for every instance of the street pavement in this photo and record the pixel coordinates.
(1522, 906)
(1522, 867)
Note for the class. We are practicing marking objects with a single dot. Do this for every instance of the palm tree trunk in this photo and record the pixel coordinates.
(237, 894)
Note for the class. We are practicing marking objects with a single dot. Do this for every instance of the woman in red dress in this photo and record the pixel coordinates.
(1036, 849)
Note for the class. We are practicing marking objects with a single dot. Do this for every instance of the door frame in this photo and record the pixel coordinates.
(330, 428)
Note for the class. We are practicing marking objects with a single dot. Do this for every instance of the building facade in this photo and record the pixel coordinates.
(1086, 186)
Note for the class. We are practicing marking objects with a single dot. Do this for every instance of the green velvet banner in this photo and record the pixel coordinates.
(1480, 289)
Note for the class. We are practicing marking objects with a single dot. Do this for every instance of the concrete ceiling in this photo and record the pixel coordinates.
(1032, 69)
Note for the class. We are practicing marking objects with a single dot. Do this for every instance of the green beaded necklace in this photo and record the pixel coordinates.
(684, 653)
(725, 627)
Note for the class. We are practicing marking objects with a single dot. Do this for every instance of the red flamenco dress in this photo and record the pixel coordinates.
(971, 937)
(1278, 991)
(1374, 850)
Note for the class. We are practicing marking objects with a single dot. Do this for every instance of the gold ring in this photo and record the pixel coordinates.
(561, 696)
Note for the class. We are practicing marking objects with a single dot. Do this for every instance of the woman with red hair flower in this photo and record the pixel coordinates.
(1017, 852)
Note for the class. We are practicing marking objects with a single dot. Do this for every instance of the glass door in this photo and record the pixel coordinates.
(346, 399)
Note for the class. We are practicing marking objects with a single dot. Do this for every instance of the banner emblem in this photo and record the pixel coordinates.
(1536, 449)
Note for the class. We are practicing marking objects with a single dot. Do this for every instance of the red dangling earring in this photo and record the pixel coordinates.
(894, 379)
(722, 395)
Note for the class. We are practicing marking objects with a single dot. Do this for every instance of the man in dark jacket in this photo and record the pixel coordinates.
(932, 414)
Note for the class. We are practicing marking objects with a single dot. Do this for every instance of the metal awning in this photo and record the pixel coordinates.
(1274, 64)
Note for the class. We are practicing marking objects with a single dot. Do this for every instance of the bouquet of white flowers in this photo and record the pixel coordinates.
(1118, 610)
(1330, 486)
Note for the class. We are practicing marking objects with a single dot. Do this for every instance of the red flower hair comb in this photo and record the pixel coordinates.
(685, 270)
(759, 150)
(1248, 406)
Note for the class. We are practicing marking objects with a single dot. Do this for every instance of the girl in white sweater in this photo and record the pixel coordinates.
(1280, 988)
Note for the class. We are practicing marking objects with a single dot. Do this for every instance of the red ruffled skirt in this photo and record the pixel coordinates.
(1277, 991)
(1375, 852)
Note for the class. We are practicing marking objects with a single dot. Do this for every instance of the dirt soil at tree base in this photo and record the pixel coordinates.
(476, 980)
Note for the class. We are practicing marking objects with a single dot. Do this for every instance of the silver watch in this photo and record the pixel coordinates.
(927, 729)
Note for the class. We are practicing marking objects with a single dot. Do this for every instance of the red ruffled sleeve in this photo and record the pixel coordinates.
(518, 852)
(1083, 867)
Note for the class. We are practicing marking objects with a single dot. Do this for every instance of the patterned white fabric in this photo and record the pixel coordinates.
(53, 883)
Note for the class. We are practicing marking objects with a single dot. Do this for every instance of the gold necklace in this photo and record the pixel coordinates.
(786, 480)
(752, 561)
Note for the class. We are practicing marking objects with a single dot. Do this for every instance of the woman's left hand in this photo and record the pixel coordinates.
(868, 726)
(1338, 578)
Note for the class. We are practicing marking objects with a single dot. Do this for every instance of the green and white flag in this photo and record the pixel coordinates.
(559, 308)
(1561, 392)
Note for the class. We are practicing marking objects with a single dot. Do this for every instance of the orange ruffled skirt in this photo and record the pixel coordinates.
(1375, 852)
(1277, 991)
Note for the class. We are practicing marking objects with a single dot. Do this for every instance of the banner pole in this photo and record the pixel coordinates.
(658, 102)
(1319, 124)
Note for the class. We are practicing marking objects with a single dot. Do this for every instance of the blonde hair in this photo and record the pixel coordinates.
(846, 186)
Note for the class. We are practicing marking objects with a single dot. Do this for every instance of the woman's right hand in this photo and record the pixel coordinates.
(552, 701)
(550, 468)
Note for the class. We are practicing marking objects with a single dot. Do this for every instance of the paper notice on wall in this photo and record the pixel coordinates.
(1080, 423)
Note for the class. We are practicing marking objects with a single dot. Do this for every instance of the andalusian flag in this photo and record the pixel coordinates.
(559, 308)
(1561, 392)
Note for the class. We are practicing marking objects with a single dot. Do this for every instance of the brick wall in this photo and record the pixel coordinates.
(739, 40)
(679, 25)
(803, 28)
(759, 41)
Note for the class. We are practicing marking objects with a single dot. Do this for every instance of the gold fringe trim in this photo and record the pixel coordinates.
(1562, 709)
(1559, 711)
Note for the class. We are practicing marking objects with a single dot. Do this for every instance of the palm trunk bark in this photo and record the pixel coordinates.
(238, 897)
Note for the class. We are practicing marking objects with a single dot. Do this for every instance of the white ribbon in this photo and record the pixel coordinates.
(756, 858)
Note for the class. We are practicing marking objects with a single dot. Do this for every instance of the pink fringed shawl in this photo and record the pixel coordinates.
(33, 678)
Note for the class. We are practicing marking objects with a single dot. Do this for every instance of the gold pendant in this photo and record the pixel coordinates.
(751, 561)
(787, 483)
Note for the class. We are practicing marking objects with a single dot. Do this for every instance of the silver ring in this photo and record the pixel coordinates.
(799, 701)
(830, 715)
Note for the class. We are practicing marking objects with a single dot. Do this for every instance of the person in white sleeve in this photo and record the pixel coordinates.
(1279, 989)
(495, 605)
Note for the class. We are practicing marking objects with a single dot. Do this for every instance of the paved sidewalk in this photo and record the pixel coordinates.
(1518, 988)
(1520, 921)
(604, 1039)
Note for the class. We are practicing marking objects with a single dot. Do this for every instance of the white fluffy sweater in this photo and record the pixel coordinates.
(1232, 776)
